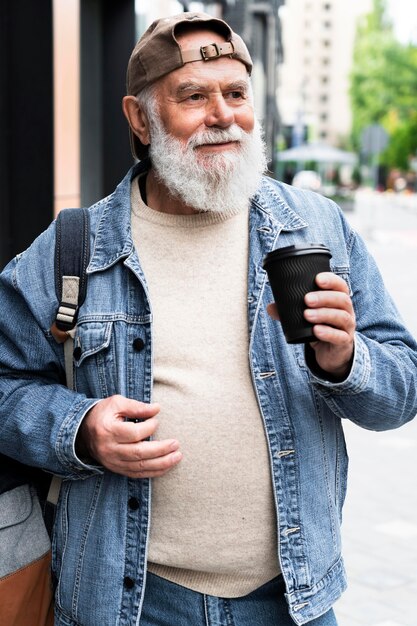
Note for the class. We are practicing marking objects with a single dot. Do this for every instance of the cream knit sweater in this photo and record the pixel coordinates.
(213, 523)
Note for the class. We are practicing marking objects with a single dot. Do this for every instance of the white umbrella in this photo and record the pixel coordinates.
(318, 152)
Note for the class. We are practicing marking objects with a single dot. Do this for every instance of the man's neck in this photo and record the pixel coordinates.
(160, 199)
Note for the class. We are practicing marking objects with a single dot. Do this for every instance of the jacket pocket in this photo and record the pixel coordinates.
(95, 359)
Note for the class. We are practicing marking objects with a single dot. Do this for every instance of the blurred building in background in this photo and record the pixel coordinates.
(313, 91)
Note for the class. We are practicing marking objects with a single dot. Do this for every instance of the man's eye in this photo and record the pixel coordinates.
(196, 96)
(236, 95)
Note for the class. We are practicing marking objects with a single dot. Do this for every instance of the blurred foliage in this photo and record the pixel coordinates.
(384, 86)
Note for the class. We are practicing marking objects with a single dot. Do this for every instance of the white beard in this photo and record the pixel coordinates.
(219, 182)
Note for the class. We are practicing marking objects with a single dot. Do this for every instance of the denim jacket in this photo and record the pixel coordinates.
(102, 524)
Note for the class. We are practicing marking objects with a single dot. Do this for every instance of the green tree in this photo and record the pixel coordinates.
(384, 86)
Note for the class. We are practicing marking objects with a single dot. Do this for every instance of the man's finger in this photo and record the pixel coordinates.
(146, 450)
(338, 318)
(329, 299)
(329, 280)
(132, 432)
(146, 468)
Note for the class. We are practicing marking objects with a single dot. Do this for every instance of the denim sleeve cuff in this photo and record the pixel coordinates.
(357, 379)
(73, 466)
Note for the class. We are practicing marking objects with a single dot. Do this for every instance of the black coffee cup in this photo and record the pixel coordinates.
(292, 271)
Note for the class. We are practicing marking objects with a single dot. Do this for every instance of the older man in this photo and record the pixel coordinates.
(242, 442)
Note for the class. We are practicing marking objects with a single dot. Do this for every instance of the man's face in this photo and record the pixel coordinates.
(206, 148)
(205, 95)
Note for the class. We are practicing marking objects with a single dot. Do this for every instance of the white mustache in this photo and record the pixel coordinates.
(213, 136)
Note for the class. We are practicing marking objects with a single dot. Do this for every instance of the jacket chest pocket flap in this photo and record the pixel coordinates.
(95, 358)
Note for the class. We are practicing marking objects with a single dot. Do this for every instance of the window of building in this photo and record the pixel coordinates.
(323, 134)
(327, 6)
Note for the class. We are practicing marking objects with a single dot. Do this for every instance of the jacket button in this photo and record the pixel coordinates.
(133, 504)
(128, 582)
(77, 353)
(138, 344)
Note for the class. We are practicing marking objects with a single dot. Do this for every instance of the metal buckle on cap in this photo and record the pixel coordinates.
(206, 54)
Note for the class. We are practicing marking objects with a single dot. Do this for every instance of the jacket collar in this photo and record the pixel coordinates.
(273, 208)
(113, 240)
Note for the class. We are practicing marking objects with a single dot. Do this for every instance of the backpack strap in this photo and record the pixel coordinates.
(72, 253)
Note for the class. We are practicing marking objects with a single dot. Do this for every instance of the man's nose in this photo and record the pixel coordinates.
(219, 113)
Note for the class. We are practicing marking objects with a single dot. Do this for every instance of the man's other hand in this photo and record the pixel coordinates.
(330, 310)
(121, 446)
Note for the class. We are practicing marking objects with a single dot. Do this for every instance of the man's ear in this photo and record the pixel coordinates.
(137, 119)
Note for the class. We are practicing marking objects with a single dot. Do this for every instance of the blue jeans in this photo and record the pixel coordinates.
(168, 604)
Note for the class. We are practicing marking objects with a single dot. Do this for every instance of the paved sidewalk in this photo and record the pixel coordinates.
(380, 514)
(380, 529)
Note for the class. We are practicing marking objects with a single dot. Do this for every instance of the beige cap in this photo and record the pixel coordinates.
(158, 53)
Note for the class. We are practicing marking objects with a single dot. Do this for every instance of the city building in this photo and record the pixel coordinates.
(313, 88)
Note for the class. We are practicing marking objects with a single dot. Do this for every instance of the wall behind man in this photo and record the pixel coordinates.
(26, 123)
(63, 137)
